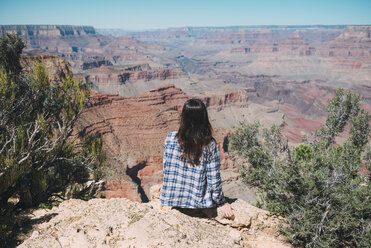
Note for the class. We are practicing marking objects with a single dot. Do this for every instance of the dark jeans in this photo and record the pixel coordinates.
(198, 212)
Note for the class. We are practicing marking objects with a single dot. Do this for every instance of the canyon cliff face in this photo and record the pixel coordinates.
(134, 129)
(56, 38)
(122, 223)
(50, 31)
(200, 59)
(106, 75)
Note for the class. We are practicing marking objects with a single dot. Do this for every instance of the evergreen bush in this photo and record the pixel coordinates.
(38, 154)
(316, 185)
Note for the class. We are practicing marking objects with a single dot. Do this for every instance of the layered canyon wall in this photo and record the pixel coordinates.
(56, 38)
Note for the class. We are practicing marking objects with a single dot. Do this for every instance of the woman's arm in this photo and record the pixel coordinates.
(166, 148)
(214, 182)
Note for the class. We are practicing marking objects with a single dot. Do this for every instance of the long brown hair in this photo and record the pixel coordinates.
(195, 130)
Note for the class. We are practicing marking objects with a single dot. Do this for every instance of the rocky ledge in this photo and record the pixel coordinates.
(56, 67)
(119, 222)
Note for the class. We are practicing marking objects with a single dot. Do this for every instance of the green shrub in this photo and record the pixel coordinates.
(38, 155)
(315, 185)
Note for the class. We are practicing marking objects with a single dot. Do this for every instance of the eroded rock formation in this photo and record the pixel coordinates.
(106, 75)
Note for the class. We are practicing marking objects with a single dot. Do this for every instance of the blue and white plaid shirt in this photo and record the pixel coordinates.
(191, 186)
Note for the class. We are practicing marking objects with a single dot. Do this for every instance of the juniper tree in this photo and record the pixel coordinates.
(315, 185)
(38, 154)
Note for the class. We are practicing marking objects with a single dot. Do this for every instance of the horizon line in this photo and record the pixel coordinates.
(202, 26)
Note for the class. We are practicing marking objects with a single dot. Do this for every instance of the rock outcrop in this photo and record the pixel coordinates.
(106, 75)
(149, 75)
(122, 223)
(56, 67)
(95, 63)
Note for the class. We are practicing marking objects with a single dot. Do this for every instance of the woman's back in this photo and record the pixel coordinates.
(191, 163)
(189, 185)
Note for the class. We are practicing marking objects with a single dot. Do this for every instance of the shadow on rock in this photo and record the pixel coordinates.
(18, 227)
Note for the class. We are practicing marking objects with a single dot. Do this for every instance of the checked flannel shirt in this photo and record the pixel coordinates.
(191, 186)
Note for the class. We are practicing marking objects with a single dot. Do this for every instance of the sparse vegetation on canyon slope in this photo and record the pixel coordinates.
(38, 155)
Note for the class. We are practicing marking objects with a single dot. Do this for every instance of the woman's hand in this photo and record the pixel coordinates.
(227, 211)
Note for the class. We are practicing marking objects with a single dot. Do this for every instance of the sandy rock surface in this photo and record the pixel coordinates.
(119, 222)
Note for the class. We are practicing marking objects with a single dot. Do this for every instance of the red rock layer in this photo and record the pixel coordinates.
(133, 131)
(215, 99)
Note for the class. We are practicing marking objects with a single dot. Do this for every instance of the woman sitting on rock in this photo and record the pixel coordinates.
(191, 165)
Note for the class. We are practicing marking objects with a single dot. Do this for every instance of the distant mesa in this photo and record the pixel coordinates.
(53, 38)
(47, 30)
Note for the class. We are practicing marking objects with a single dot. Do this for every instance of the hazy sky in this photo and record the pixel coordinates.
(150, 14)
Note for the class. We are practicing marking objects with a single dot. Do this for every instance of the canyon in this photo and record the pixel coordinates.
(281, 75)
(133, 130)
